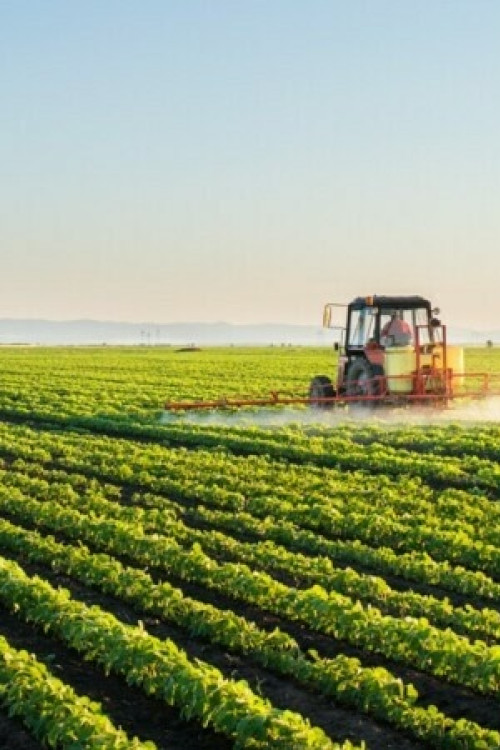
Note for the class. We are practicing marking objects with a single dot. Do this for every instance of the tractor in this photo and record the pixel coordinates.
(392, 349)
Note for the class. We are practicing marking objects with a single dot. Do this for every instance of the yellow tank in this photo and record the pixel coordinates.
(455, 363)
(454, 360)
(400, 364)
(432, 356)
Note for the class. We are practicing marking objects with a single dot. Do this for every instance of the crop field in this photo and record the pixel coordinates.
(248, 580)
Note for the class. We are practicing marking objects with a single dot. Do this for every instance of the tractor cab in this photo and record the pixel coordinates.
(386, 322)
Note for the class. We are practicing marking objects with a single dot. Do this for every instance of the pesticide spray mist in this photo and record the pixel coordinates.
(475, 412)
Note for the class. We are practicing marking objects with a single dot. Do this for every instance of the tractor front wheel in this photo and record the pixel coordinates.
(321, 387)
(364, 380)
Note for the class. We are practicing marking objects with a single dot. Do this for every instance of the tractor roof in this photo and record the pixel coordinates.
(397, 303)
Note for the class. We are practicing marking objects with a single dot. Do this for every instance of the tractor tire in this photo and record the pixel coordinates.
(361, 381)
(321, 387)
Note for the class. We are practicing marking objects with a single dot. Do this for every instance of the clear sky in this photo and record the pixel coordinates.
(247, 161)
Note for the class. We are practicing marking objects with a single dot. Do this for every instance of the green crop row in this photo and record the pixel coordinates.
(441, 440)
(374, 691)
(271, 557)
(136, 382)
(223, 480)
(53, 712)
(413, 566)
(345, 450)
(199, 690)
(411, 641)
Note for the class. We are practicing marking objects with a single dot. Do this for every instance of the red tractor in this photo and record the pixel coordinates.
(392, 349)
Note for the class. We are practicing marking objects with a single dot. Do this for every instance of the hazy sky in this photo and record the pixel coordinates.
(247, 161)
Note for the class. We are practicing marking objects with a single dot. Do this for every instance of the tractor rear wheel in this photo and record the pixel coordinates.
(364, 379)
(321, 387)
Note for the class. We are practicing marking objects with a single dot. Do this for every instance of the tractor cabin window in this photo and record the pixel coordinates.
(362, 326)
(413, 318)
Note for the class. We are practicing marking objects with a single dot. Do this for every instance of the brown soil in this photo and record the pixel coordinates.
(13, 735)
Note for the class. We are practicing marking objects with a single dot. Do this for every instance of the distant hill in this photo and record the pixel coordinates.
(14, 331)
(91, 332)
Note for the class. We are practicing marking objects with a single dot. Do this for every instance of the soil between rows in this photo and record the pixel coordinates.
(14, 736)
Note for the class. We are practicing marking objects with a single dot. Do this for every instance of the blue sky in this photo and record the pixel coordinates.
(248, 161)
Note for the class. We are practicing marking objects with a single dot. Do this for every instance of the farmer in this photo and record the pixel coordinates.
(396, 332)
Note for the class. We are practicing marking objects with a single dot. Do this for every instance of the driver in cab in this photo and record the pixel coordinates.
(396, 332)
